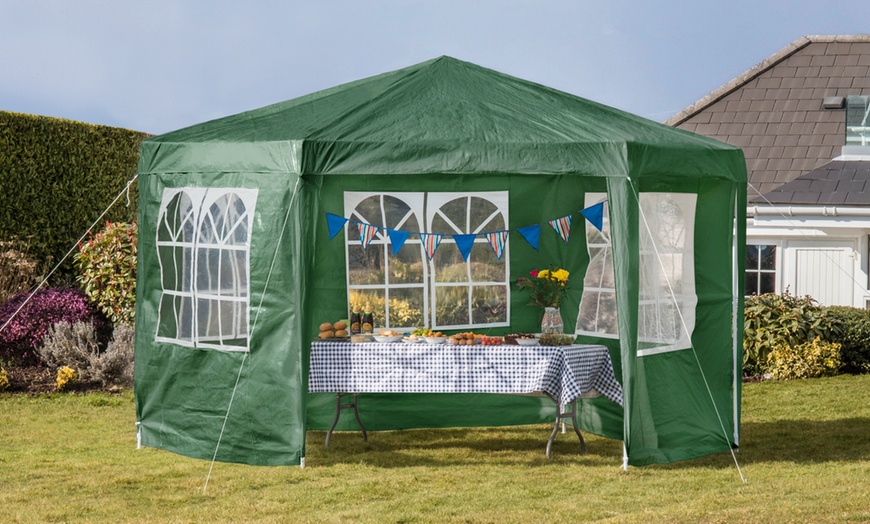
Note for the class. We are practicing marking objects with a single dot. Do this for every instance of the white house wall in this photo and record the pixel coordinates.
(823, 256)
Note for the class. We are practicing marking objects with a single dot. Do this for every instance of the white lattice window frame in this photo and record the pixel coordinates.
(200, 284)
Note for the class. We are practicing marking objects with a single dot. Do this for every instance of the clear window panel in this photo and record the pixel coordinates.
(751, 257)
(451, 305)
(208, 270)
(208, 321)
(768, 257)
(369, 212)
(449, 264)
(233, 320)
(167, 327)
(485, 266)
(607, 313)
(406, 308)
(171, 265)
(751, 283)
(233, 278)
(767, 283)
(365, 266)
(398, 212)
(453, 213)
(489, 304)
(406, 267)
(484, 213)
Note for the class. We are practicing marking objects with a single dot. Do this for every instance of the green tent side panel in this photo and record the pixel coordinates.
(682, 404)
(232, 406)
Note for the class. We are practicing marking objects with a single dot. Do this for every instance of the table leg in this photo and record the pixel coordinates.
(338, 407)
(561, 415)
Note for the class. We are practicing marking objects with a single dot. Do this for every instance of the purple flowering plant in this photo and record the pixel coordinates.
(24, 333)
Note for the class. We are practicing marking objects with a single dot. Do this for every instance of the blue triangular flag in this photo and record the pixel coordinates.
(464, 243)
(531, 234)
(334, 223)
(397, 239)
(595, 215)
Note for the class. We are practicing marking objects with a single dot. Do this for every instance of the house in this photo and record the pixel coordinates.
(802, 117)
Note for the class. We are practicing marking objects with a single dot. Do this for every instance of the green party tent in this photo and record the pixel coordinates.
(238, 265)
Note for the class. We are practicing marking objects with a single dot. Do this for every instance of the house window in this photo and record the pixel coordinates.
(597, 314)
(857, 120)
(666, 284)
(406, 289)
(203, 246)
(760, 269)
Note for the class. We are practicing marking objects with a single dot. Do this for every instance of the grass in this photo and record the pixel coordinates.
(805, 453)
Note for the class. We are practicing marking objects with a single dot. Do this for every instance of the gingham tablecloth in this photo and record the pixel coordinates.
(562, 372)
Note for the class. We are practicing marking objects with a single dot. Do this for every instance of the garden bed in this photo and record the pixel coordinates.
(38, 380)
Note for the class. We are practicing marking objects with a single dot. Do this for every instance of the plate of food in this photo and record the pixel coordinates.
(527, 341)
(386, 336)
(436, 340)
(413, 339)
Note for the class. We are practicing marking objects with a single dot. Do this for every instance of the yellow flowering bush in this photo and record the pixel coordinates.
(65, 376)
(810, 359)
(4, 380)
(547, 287)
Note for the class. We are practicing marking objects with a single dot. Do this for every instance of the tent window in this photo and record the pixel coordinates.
(203, 246)
(666, 306)
(406, 289)
(597, 314)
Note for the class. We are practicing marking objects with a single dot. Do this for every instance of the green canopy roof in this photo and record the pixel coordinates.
(441, 116)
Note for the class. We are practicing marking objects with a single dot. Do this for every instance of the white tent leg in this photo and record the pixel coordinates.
(624, 457)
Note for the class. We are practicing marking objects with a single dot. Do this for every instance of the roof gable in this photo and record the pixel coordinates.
(774, 112)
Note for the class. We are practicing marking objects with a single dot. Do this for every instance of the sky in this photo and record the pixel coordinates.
(156, 66)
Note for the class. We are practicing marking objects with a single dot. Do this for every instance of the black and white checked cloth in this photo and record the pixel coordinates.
(563, 372)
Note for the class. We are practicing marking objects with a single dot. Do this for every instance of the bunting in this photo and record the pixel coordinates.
(334, 223)
(430, 243)
(562, 226)
(366, 233)
(397, 239)
(497, 241)
(465, 242)
(532, 234)
(595, 215)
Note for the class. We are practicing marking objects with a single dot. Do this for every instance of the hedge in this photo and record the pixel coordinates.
(57, 176)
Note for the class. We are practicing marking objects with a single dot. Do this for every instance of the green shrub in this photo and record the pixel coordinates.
(807, 360)
(107, 267)
(4, 380)
(854, 339)
(772, 320)
(57, 176)
(19, 271)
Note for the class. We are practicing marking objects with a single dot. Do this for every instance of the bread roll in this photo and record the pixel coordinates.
(341, 333)
(327, 334)
(339, 326)
(326, 326)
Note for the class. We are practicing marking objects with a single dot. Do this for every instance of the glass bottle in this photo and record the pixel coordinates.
(355, 320)
(368, 320)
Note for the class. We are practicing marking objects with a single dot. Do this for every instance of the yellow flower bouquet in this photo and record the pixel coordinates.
(547, 287)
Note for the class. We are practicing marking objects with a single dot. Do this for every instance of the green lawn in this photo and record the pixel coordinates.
(805, 453)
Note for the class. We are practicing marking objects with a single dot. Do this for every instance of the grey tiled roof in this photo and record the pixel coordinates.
(774, 110)
(836, 183)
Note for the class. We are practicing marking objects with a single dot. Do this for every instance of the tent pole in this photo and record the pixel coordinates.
(737, 332)
(624, 457)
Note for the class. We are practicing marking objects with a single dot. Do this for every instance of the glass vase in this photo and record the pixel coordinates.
(552, 321)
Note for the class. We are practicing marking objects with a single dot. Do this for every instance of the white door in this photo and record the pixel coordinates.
(825, 271)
